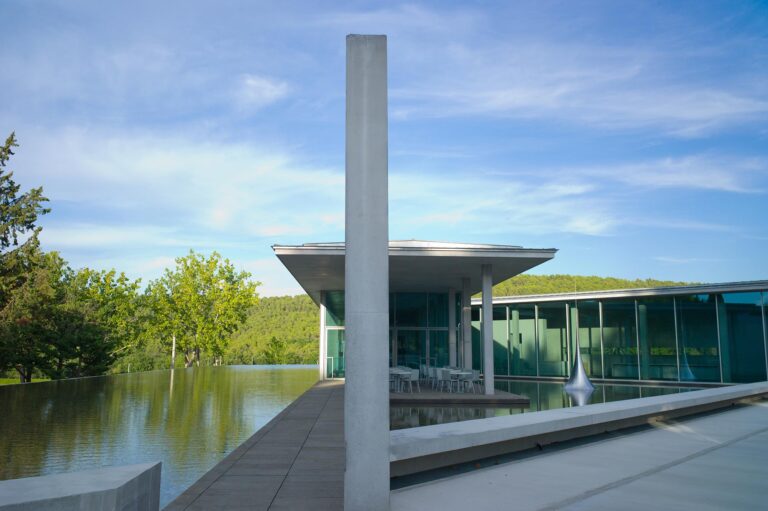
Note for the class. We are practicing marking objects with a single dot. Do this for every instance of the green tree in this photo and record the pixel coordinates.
(201, 303)
(18, 224)
(276, 352)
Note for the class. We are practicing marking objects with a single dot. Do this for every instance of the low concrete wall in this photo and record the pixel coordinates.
(125, 488)
(418, 449)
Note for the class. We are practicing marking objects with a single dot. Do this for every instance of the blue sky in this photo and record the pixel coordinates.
(632, 136)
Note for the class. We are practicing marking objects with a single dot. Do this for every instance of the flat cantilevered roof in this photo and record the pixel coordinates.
(413, 265)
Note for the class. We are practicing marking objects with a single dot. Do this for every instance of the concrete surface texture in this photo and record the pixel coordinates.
(295, 462)
(123, 488)
(366, 284)
(715, 461)
(441, 438)
(487, 329)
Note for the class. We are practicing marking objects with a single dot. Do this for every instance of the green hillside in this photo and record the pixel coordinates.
(543, 284)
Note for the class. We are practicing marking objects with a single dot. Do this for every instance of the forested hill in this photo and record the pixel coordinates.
(279, 330)
(544, 284)
(284, 329)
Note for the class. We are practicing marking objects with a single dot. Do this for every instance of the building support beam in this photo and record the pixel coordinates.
(323, 344)
(466, 323)
(488, 369)
(366, 277)
(452, 328)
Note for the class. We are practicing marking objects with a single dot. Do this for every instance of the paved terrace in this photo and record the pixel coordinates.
(709, 462)
(295, 462)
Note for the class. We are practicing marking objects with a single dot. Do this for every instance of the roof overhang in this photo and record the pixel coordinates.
(416, 266)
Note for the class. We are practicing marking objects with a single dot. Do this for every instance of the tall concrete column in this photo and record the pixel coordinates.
(366, 277)
(488, 369)
(452, 327)
(466, 322)
(323, 344)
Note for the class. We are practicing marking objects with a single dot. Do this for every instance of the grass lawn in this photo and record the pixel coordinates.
(12, 381)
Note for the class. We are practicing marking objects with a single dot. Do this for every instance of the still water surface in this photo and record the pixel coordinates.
(543, 396)
(188, 418)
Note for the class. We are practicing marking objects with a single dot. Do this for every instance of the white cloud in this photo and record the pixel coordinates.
(256, 92)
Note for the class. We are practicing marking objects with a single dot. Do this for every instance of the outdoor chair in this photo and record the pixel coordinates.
(413, 377)
(466, 381)
(443, 378)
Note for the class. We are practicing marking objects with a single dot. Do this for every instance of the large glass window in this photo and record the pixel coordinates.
(411, 309)
(658, 346)
(411, 348)
(500, 341)
(522, 340)
(588, 323)
(697, 337)
(438, 348)
(553, 349)
(334, 308)
(334, 363)
(438, 310)
(477, 340)
(741, 337)
(620, 339)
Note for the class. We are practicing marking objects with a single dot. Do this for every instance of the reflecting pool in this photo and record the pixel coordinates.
(543, 396)
(188, 418)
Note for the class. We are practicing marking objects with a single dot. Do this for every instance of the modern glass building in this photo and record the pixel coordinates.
(708, 333)
(699, 334)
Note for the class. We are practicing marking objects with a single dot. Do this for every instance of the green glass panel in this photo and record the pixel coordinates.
(334, 308)
(391, 309)
(438, 348)
(658, 348)
(411, 309)
(588, 327)
(741, 337)
(620, 339)
(411, 348)
(500, 341)
(552, 339)
(477, 340)
(522, 340)
(334, 367)
(697, 337)
(438, 310)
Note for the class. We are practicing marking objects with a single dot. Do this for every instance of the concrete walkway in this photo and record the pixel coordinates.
(710, 462)
(295, 462)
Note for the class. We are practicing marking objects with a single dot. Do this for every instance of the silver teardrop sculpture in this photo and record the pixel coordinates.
(579, 381)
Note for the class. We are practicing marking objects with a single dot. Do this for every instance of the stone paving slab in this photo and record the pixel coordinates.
(296, 462)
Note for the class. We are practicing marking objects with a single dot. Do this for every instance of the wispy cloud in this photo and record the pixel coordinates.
(255, 91)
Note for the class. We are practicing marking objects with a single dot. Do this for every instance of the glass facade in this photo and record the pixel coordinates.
(620, 339)
(658, 340)
(589, 337)
(553, 339)
(522, 340)
(418, 330)
(695, 337)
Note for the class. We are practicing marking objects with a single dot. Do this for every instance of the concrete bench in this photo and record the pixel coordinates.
(123, 488)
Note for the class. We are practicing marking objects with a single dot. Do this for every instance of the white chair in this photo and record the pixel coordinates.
(412, 377)
(443, 378)
(465, 381)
